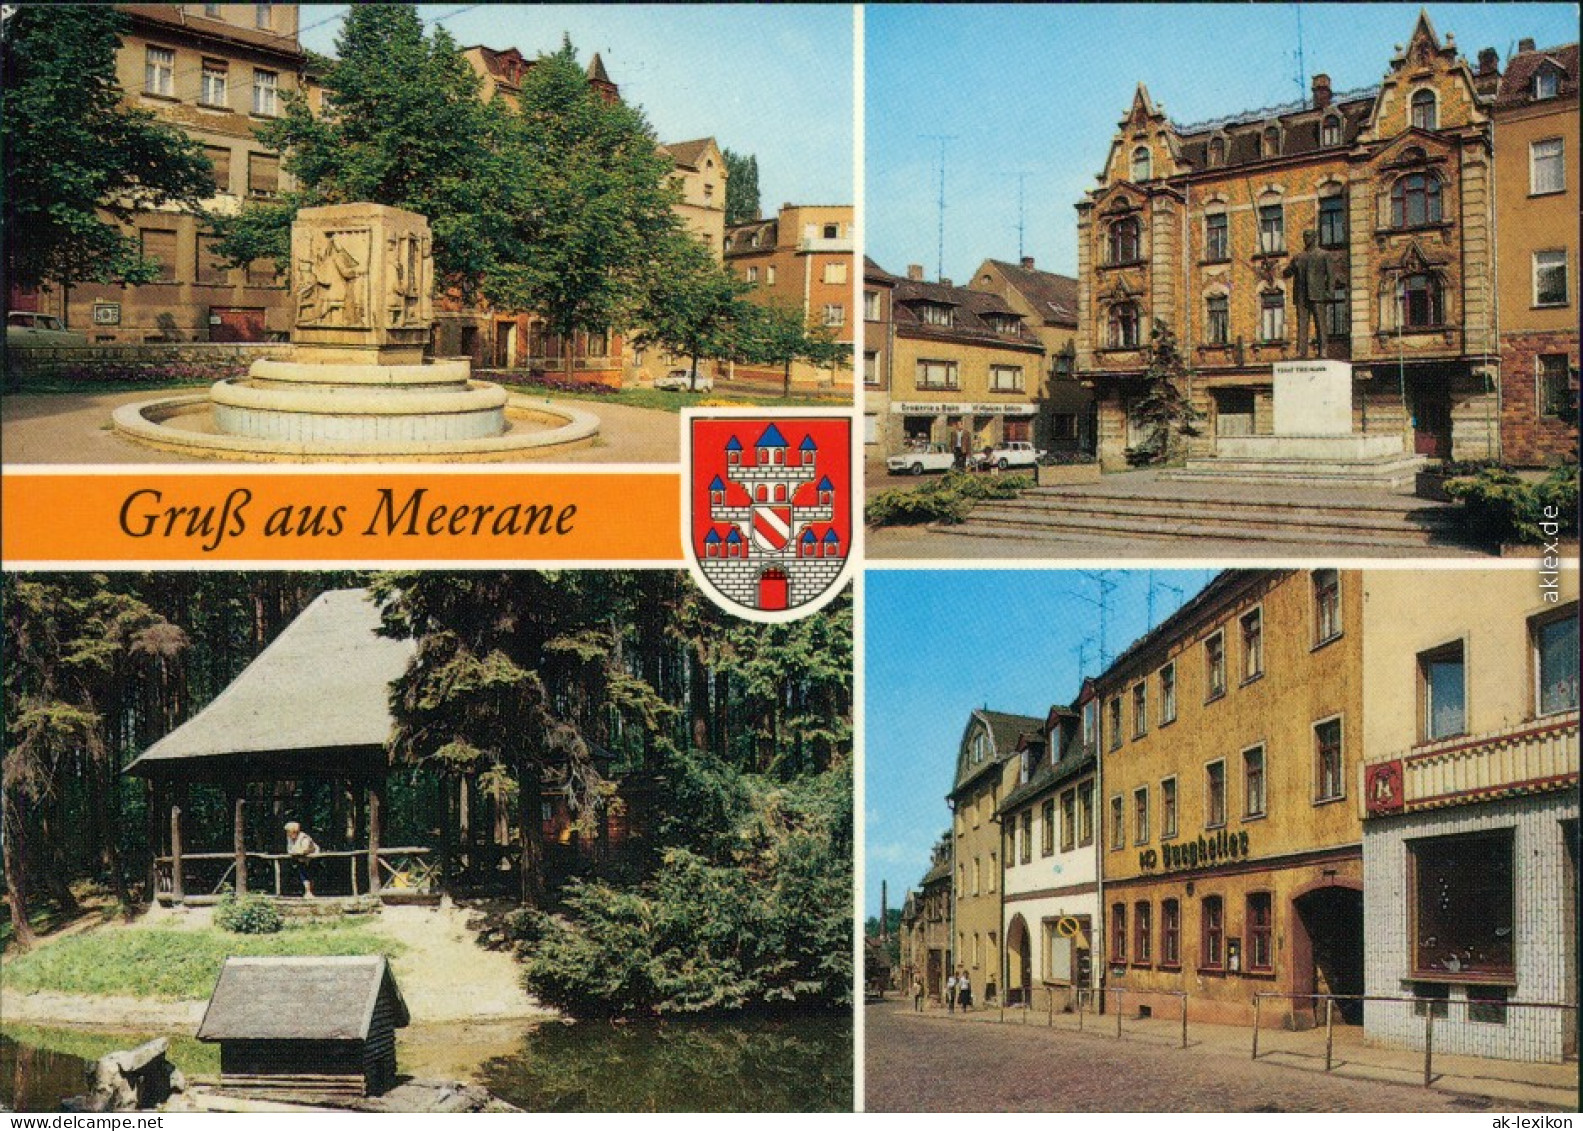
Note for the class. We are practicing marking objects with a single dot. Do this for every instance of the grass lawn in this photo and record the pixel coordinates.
(170, 965)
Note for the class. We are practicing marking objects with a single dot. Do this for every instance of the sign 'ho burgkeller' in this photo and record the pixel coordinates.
(768, 510)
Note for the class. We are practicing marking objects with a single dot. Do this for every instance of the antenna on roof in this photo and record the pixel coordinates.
(1169, 588)
(1021, 215)
(939, 263)
(1302, 78)
(1106, 587)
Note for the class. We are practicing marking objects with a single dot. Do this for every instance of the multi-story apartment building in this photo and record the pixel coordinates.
(1048, 305)
(802, 258)
(986, 770)
(217, 72)
(1050, 866)
(1469, 799)
(1536, 211)
(1231, 858)
(879, 288)
(926, 926)
(1195, 226)
(961, 359)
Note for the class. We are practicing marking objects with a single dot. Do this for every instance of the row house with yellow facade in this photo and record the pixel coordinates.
(957, 360)
(1536, 218)
(1306, 792)
(1196, 227)
(218, 72)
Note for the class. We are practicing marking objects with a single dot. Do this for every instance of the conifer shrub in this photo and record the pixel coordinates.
(248, 915)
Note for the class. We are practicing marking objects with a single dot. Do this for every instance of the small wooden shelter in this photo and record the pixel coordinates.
(306, 1027)
(313, 706)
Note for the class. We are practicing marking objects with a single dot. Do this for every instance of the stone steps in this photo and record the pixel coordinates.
(1048, 514)
(1391, 473)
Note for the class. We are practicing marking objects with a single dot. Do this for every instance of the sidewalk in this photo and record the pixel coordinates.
(1508, 1082)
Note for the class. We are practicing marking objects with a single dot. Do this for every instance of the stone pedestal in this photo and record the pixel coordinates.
(1313, 398)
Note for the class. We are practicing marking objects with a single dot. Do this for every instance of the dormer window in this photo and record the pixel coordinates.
(935, 314)
(1547, 82)
(1270, 142)
(1217, 151)
(1423, 110)
(1330, 131)
(1142, 165)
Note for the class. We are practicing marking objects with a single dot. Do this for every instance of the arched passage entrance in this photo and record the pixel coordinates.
(1019, 962)
(1327, 947)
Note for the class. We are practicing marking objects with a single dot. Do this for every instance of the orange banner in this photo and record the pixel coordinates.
(157, 516)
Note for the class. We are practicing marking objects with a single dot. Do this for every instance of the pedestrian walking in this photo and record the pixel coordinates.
(950, 994)
(964, 991)
(917, 994)
(302, 850)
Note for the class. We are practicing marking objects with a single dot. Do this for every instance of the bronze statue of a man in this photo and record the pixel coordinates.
(1310, 272)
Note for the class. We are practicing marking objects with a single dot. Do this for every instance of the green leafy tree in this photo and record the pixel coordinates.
(403, 125)
(1164, 408)
(742, 187)
(590, 201)
(75, 154)
(694, 306)
(778, 334)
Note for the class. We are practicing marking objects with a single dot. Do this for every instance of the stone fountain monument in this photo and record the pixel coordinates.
(357, 385)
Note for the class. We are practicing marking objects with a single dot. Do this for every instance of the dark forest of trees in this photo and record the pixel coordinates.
(577, 681)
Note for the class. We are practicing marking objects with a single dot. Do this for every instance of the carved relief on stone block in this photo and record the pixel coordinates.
(409, 280)
(331, 278)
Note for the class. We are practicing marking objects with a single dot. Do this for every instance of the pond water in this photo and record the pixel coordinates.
(795, 1063)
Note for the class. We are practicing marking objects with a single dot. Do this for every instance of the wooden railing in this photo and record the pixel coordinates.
(407, 869)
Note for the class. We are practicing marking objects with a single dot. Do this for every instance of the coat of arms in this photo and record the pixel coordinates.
(768, 509)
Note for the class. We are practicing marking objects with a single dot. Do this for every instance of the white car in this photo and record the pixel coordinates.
(1013, 453)
(932, 457)
(681, 381)
(27, 328)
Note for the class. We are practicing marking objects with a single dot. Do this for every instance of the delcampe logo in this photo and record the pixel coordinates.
(767, 509)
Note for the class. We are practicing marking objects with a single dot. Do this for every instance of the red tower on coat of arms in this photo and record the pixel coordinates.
(769, 510)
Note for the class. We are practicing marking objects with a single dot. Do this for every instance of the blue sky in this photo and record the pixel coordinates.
(775, 82)
(1039, 89)
(940, 643)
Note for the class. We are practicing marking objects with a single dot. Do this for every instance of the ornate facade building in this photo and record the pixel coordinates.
(1196, 227)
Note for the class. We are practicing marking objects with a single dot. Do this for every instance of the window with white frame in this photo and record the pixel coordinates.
(1415, 201)
(1442, 677)
(1330, 130)
(769, 275)
(1217, 236)
(871, 367)
(265, 91)
(1215, 795)
(1253, 791)
(1167, 808)
(1550, 278)
(1215, 665)
(1272, 228)
(1423, 109)
(1091, 726)
(1327, 605)
(1140, 709)
(1124, 325)
(1547, 82)
(1068, 820)
(1168, 693)
(1252, 644)
(212, 82)
(752, 274)
(1124, 242)
(871, 306)
(1114, 710)
(1555, 650)
(936, 374)
(936, 314)
(1217, 310)
(159, 72)
(1329, 785)
(1141, 164)
(1085, 814)
(1333, 220)
(1272, 316)
(1546, 166)
(1140, 815)
(834, 314)
(1006, 378)
(1118, 832)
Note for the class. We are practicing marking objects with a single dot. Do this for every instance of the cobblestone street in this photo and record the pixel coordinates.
(930, 1062)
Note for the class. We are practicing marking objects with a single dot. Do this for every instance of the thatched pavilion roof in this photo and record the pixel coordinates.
(301, 998)
(315, 702)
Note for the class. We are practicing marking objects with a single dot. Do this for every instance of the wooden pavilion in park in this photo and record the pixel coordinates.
(312, 713)
(313, 708)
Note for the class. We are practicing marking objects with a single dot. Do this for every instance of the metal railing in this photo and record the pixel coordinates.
(1081, 1000)
(1429, 1007)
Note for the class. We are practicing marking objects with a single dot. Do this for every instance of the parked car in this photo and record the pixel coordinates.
(27, 328)
(1013, 453)
(681, 381)
(916, 461)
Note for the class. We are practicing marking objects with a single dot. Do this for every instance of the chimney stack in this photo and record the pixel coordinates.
(1525, 45)
(1489, 61)
(944, 282)
(1027, 263)
(1321, 90)
(915, 272)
